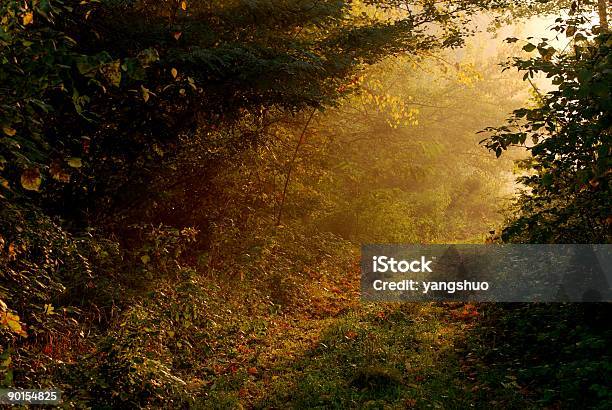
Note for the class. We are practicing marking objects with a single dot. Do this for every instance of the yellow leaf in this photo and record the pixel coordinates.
(11, 321)
(184, 5)
(75, 162)
(158, 150)
(57, 173)
(145, 93)
(9, 131)
(49, 309)
(174, 72)
(145, 259)
(28, 18)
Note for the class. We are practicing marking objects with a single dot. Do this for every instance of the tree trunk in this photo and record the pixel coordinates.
(603, 14)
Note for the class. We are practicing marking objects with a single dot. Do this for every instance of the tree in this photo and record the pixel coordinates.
(602, 9)
(101, 92)
(568, 134)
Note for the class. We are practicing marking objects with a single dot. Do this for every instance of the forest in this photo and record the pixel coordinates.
(185, 187)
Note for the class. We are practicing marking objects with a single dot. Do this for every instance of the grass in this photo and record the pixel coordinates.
(336, 352)
(234, 347)
(374, 357)
(426, 355)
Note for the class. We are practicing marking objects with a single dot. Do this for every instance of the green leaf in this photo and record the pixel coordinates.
(529, 47)
(147, 57)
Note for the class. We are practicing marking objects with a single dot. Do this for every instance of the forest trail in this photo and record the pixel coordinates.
(329, 350)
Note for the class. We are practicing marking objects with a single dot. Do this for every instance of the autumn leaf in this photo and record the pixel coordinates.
(49, 309)
(112, 72)
(11, 321)
(28, 18)
(350, 335)
(12, 254)
(9, 131)
(184, 5)
(158, 150)
(174, 72)
(30, 179)
(57, 173)
(252, 371)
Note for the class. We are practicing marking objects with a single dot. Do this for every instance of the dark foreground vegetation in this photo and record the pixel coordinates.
(184, 186)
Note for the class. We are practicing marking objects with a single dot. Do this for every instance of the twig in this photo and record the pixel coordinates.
(297, 148)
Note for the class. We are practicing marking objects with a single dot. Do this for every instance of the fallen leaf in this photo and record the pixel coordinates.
(409, 403)
(350, 334)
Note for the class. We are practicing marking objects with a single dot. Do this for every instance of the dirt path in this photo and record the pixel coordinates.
(332, 351)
